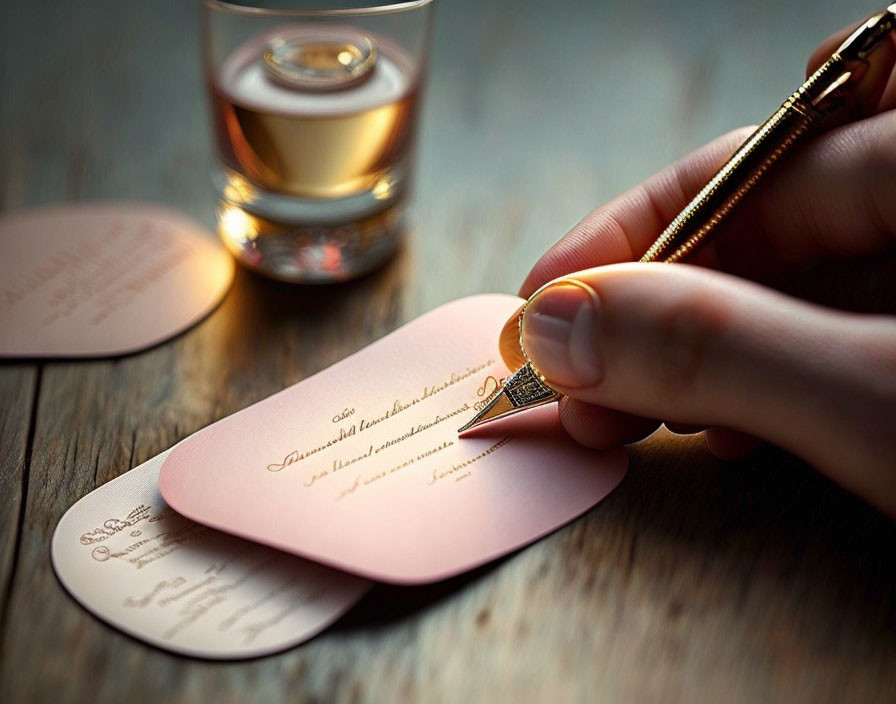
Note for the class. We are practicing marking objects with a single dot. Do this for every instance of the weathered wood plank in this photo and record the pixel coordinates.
(693, 581)
(18, 383)
(96, 419)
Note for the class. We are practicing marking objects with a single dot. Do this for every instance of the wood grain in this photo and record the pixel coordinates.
(694, 581)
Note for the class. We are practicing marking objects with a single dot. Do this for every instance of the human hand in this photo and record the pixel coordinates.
(703, 344)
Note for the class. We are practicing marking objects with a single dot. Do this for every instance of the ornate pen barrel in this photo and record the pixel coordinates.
(824, 97)
(752, 159)
(823, 94)
(729, 185)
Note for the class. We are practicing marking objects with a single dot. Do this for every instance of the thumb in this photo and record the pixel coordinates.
(690, 345)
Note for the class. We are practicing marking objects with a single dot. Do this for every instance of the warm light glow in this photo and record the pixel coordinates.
(238, 190)
(382, 189)
(345, 58)
(236, 224)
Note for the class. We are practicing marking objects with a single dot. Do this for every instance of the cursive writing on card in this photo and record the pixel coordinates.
(114, 525)
(118, 265)
(351, 459)
(186, 587)
(100, 279)
(369, 479)
(366, 423)
(343, 414)
(438, 474)
(487, 390)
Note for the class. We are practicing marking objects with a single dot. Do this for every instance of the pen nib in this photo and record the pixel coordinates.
(522, 391)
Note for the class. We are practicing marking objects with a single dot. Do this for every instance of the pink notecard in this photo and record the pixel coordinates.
(360, 466)
(107, 278)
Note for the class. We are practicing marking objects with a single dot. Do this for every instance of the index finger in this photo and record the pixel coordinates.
(810, 215)
(621, 230)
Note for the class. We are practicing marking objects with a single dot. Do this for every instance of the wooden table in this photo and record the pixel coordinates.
(694, 581)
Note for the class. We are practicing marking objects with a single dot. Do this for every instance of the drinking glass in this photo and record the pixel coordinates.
(314, 114)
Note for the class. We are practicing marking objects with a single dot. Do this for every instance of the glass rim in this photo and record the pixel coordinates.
(235, 8)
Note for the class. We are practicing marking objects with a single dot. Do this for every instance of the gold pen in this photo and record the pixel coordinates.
(824, 98)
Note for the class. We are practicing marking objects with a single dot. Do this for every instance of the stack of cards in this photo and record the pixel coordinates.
(260, 530)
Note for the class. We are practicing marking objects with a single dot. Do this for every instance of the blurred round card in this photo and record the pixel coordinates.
(132, 561)
(101, 279)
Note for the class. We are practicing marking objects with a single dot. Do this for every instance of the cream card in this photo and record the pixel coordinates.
(360, 466)
(101, 279)
(132, 561)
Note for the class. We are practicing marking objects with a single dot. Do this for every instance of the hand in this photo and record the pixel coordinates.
(703, 344)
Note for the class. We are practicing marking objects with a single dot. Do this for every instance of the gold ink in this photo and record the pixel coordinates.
(342, 415)
(487, 390)
(428, 392)
(398, 406)
(295, 456)
(166, 512)
(252, 630)
(315, 477)
(146, 599)
(419, 428)
(339, 464)
(103, 275)
(350, 490)
(370, 479)
(166, 544)
(455, 468)
(115, 525)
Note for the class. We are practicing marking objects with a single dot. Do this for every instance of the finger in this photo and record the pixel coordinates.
(729, 444)
(833, 197)
(683, 428)
(816, 202)
(592, 426)
(603, 428)
(824, 50)
(701, 347)
(621, 230)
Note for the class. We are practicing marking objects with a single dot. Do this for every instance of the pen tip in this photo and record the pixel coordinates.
(474, 423)
(522, 391)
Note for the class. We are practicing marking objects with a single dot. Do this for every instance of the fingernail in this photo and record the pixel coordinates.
(560, 332)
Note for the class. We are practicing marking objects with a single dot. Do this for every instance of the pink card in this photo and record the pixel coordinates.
(360, 466)
(98, 279)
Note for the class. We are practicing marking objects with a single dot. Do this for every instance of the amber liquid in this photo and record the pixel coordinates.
(315, 145)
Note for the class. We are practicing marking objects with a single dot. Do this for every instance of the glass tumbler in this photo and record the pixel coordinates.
(314, 114)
